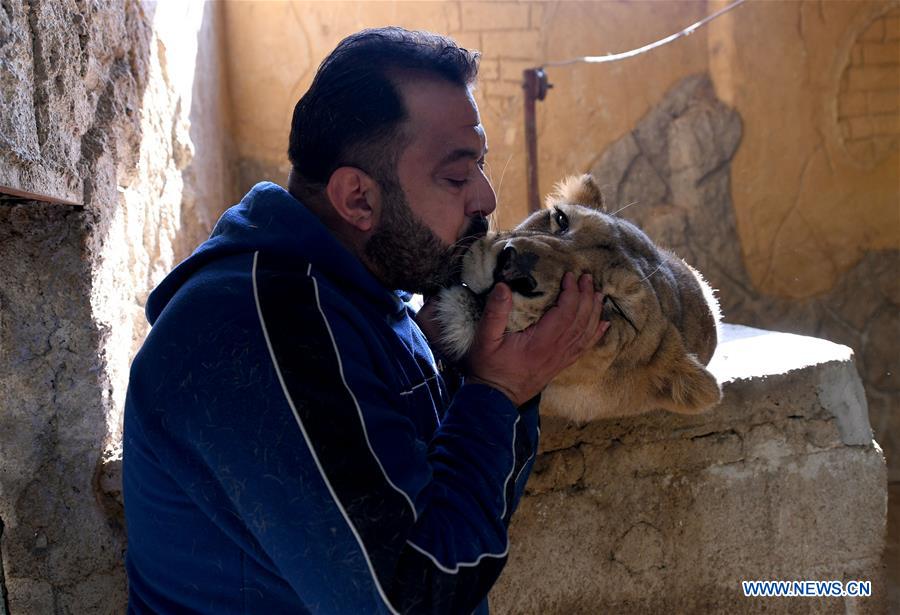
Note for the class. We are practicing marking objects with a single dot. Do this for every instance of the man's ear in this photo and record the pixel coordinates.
(355, 197)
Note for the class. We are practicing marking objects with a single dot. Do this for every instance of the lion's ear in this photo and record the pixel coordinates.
(686, 387)
(577, 189)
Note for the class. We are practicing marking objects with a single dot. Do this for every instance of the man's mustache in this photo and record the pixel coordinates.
(477, 229)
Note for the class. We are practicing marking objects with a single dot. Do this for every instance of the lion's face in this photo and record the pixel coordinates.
(662, 318)
(533, 258)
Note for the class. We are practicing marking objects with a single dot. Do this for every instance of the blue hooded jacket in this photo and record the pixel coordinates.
(290, 446)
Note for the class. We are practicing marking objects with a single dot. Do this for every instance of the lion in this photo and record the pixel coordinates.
(663, 315)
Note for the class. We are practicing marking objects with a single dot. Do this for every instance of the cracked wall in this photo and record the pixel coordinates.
(119, 107)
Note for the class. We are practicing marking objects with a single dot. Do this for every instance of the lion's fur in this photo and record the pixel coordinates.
(657, 360)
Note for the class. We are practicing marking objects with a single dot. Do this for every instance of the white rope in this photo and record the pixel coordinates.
(613, 57)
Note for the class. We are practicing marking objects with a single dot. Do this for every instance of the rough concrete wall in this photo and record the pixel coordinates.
(44, 69)
(100, 106)
(666, 513)
(61, 550)
(166, 201)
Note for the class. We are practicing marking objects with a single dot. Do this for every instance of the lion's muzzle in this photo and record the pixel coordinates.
(515, 269)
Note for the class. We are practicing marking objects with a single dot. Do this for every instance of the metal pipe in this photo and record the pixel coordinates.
(535, 86)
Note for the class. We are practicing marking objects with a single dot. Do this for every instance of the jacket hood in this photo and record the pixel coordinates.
(269, 219)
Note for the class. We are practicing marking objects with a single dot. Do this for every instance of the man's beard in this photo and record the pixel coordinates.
(406, 255)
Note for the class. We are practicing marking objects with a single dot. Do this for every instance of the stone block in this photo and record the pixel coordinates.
(882, 53)
(875, 32)
(892, 29)
(453, 14)
(886, 125)
(469, 39)
(852, 103)
(538, 13)
(512, 44)
(556, 470)
(488, 70)
(511, 70)
(494, 16)
(884, 102)
(861, 127)
(873, 78)
(663, 513)
(502, 89)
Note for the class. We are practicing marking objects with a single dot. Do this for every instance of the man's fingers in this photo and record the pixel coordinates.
(495, 315)
(593, 320)
(598, 327)
(553, 324)
(568, 298)
(586, 305)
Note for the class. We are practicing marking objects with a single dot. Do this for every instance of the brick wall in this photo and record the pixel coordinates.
(869, 98)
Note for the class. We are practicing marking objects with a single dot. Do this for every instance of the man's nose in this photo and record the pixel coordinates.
(482, 201)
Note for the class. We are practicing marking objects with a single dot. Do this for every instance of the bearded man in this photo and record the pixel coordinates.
(290, 445)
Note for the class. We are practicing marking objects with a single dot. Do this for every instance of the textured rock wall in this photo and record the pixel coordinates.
(120, 107)
(61, 550)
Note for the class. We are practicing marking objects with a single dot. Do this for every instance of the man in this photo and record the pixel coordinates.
(289, 444)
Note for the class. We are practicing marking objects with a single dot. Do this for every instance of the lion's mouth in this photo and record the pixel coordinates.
(525, 286)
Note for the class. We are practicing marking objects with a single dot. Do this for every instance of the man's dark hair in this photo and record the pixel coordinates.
(352, 112)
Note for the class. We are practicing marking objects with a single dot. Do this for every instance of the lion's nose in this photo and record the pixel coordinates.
(515, 270)
(506, 263)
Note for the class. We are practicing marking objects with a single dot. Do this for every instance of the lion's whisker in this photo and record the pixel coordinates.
(647, 277)
(624, 207)
(492, 221)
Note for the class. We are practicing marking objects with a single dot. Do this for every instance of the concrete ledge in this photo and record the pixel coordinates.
(668, 513)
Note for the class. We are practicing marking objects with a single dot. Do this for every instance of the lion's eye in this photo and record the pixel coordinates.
(561, 220)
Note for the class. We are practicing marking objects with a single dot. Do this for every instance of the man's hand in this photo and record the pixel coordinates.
(522, 364)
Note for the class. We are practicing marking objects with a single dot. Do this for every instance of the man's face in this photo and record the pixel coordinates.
(443, 197)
